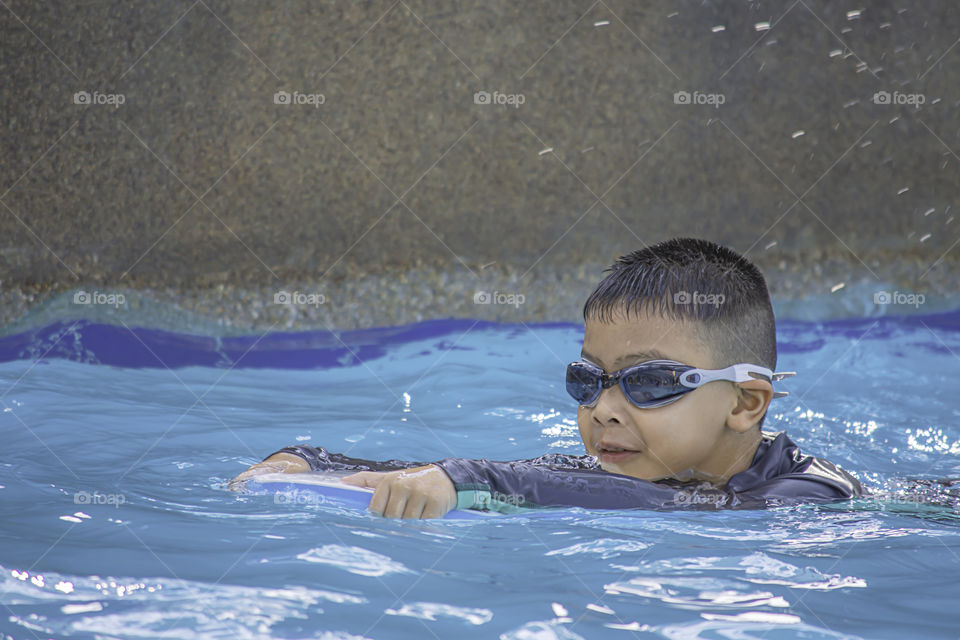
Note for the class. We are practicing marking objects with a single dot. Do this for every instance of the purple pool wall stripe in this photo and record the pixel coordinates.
(84, 341)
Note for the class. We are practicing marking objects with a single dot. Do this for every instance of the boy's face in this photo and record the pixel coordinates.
(687, 439)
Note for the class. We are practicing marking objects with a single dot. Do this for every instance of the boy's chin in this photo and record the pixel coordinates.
(613, 467)
(617, 467)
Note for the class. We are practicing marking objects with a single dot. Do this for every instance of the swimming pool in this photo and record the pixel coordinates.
(116, 522)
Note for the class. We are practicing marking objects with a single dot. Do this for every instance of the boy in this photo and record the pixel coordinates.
(673, 387)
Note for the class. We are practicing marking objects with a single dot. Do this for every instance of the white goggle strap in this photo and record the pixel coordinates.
(780, 376)
(734, 373)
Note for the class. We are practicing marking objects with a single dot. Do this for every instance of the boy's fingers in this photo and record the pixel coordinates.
(416, 507)
(378, 503)
(394, 503)
(434, 509)
(364, 479)
(354, 479)
(383, 501)
(404, 495)
(255, 470)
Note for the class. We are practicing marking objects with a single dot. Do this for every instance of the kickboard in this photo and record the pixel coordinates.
(326, 489)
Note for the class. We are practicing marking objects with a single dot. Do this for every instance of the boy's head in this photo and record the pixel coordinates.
(697, 303)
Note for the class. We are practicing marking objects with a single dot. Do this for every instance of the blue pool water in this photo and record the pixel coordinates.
(116, 523)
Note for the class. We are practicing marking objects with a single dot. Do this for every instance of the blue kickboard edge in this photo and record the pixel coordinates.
(319, 488)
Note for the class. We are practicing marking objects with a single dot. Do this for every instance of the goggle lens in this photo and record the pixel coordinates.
(643, 386)
(582, 384)
(652, 385)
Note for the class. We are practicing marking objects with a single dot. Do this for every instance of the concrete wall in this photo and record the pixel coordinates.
(201, 179)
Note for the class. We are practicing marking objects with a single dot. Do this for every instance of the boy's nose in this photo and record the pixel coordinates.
(610, 403)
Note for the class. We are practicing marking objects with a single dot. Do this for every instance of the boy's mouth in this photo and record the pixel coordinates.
(612, 453)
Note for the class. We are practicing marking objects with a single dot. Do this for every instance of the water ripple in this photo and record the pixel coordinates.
(356, 560)
(430, 611)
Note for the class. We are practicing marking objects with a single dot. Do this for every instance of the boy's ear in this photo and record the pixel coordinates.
(753, 398)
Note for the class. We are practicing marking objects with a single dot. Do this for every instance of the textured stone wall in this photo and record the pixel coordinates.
(254, 144)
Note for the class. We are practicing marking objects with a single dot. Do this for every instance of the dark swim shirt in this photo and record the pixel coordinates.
(779, 474)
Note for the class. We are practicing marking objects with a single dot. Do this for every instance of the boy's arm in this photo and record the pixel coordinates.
(794, 488)
(319, 459)
(817, 481)
(304, 458)
(276, 463)
(520, 485)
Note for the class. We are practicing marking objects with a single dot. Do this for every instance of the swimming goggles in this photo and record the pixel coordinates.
(656, 383)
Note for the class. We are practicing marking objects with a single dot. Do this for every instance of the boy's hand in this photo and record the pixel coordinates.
(420, 492)
(277, 463)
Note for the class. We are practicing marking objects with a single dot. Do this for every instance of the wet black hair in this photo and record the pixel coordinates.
(717, 292)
